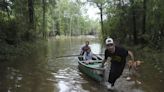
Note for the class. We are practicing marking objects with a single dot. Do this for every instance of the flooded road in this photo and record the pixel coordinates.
(43, 72)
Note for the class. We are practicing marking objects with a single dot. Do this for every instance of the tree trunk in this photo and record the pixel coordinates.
(134, 29)
(70, 26)
(44, 18)
(57, 28)
(120, 14)
(135, 39)
(31, 13)
(101, 16)
(102, 21)
(144, 17)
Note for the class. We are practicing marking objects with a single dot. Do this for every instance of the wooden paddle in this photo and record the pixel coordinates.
(68, 56)
(79, 55)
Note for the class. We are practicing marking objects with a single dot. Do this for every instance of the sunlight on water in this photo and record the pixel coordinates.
(96, 49)
(69, 80)
(63, 86)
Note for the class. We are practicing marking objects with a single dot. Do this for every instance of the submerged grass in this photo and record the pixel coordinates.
(11, 52)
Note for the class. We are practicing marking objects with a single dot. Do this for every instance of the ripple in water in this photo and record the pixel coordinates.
(69, 80)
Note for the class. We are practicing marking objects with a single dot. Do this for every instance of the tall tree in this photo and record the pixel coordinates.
(144, 17)
(135, 39)
(44, 18)
(31, 13)
(101, 4)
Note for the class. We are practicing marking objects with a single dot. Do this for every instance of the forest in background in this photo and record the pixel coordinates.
(25, 20)
(27, 25)
(141, 22)
(134, 22)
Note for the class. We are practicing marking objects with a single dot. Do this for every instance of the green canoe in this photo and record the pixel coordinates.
(92, 70)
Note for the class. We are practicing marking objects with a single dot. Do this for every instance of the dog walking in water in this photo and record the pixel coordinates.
(133, 70)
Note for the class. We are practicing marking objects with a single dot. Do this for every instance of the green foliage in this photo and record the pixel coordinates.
(11, 52)
(69, 19)
(9, 31)
(62, 17)
(125, 20)
(123, 17)
(28, 20)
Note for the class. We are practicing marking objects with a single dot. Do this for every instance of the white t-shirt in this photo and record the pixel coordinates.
(88, 56)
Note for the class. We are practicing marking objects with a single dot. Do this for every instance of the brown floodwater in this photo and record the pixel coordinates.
(43, 72)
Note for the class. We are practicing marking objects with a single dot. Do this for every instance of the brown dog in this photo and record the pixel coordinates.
(133, 70)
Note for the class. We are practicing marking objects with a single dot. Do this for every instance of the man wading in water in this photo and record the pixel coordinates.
(118, 60)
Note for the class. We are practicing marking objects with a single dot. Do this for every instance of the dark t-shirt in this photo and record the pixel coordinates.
(119, 56)
(117, 63)
(84, 49)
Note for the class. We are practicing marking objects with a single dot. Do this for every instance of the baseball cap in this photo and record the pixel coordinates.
(109, 41)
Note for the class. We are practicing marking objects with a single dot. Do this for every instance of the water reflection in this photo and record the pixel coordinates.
(69, 80)
(26, 74)
(95, 48)
(42, 72)
(67, 75)
(65, 70)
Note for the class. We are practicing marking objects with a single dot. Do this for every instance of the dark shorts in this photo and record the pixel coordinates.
(115, 72)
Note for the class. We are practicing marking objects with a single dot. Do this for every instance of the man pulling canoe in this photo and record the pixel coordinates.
(118, 60)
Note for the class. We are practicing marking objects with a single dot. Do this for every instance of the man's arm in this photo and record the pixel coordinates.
(130, 62)
(105, 58)
(103, 62)
(81, 52)
(131, 55)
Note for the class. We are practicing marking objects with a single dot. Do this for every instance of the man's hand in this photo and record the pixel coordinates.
(103, 62)
(137, 64)
(102, 65)
(130, 63)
